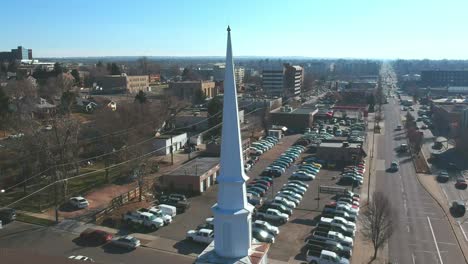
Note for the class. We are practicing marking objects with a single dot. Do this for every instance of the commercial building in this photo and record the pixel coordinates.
(213, 148)
(448, 117)
(218, 74)
(191, 90)
(17, 54)
(273, 81)
(162, 144)
(137, 83)
(342, 153)
(283, 81)
(444, 78)
(293, 80)
(296, 120)
(112, 84)
(239, 74)
(195, 176)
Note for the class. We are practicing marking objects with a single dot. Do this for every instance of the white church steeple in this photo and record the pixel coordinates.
(232, 213)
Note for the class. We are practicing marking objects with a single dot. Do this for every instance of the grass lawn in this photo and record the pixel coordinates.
(34, 220)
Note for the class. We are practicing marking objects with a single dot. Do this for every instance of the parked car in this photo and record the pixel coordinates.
(461, 182)
(264, 225)
(278, 206)
(443, 176)
(144, 219)
(458, 208)
(301, 183)
(167, 209)
(333, 235)
(324, 257)
(129, 242)
(79, 202)
(205, 236)
(330, 245)
(262, 235)
(7, 215)
(273, 214)
(96, 236)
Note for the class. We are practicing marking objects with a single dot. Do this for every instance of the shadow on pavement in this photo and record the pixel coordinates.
(108, 248)
(86, 243)
(187, 247)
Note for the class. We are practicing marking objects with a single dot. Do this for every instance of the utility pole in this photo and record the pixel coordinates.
(56, 202)
(172, 152)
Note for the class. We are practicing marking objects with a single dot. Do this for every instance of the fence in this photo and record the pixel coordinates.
(121, 200)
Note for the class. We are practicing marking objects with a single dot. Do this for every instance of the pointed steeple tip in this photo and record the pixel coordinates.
(229, 29)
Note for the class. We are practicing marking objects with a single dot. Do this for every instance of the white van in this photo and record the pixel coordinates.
(168, 209)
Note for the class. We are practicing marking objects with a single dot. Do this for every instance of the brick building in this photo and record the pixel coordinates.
(195, 176)
(191, 90)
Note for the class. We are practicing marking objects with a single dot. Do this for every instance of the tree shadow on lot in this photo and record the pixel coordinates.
(111, 249)
(187, 247)
(301, 256)
(66, 207)
(308, 222)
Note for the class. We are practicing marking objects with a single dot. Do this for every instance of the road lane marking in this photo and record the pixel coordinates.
(414, 258)
(463, 231)
(407, 227)
(435, 241)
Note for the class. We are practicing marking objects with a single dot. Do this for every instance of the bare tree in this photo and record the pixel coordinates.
(377, 221)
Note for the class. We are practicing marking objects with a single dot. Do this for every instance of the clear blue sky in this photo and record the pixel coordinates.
(314, 28)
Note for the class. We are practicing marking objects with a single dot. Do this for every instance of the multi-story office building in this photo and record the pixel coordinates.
(18, 54)
(239, 74)
(283, 81)
(293, 79)
(121, 83)
(444, 78)
(273, 81)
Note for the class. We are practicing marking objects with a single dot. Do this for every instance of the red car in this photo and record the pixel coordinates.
(264, 182)
(461, 183)
(96, 236)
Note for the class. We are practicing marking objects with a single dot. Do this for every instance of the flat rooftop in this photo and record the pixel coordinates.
(339, 145)
(195, 167)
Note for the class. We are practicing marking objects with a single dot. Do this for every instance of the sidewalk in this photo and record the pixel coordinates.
(363, 249)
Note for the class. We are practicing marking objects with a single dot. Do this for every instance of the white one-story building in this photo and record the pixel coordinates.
(162, 144)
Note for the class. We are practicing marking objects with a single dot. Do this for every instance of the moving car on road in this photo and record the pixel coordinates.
(126, 242)
(96, 236)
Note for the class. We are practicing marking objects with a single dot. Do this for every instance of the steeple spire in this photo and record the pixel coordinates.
(232, 213)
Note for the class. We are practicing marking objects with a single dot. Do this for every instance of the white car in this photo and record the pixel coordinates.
(292, 194)
(289, 197)
(158, 213)
(264, 225)
(205, 236)
(79, 202)
(285, 201)
(126, 242)
(82, 258)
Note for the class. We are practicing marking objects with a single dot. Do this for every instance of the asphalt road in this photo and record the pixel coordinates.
(49, 241)
(422, 234)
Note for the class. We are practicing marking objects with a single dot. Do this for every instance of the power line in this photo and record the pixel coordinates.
(112, 166)
(106, 154)
(121, 149)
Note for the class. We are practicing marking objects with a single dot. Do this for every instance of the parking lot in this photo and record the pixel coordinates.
(289, 244)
